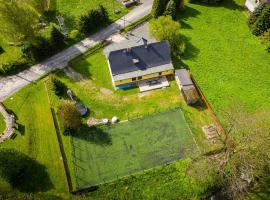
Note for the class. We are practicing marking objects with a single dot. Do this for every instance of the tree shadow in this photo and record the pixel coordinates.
(23, 173)
(191, 51)
(94, 134)
(20, 128)
(184, 14)
(229, 4)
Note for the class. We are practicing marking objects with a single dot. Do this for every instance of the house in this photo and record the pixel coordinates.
(252, 4)
(130, 66)
(186, 86)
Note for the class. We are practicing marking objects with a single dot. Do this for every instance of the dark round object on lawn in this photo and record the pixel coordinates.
(82, 109)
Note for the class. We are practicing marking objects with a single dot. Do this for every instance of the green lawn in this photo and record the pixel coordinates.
(37, 139)
(2, 124)
(228, 62)
(125, 104)
(103, 154)
(73, 9)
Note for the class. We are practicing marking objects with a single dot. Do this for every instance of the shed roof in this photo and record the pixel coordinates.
(139, 58)
(183, 77)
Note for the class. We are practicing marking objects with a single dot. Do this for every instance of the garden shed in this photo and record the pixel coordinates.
(186, 86)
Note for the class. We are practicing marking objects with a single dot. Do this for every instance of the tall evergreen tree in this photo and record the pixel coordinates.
(171, 9)
(158, 7)
(255, 14)
(262, 24)
(57, 37)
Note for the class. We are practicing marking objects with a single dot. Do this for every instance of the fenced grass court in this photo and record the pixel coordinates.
(109, 153)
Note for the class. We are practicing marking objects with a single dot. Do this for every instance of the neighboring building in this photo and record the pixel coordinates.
(186, 86)
(252, 4)
(131, 65)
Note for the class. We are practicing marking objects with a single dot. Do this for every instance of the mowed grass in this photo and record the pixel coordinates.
(73, 9)
(2, 124)
(103, 153)
(37, 138)
(124, 104)
(228, 62)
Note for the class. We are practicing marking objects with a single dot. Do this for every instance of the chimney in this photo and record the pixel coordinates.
(145, 42)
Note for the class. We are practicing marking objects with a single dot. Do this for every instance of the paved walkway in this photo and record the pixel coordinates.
(9, 124)
(12, 84)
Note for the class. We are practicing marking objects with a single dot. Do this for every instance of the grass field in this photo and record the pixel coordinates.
(228, 62)
(37, 139)
(2, 124)
(103, 154)
(73, 9)
(166, 182)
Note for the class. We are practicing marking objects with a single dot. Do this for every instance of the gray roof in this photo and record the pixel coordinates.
(138, 73)
(140, 58)
(184, 77)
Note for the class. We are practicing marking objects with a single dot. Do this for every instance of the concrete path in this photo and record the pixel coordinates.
(9, 124)
(12, 84)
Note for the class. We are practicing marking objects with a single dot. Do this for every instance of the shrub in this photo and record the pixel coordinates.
(93, 20)
(171, 9)
(13, 67)
(164, 28)
(74, 34)
(255, 14)
(69, 116)
(41, 48)
(57, 86)
(57, 38)
(262, 24)
(158, 8)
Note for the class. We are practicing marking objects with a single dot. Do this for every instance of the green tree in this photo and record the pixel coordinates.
(69, 116)
(57, 38)
(57, 86)
(165, 28)
(262, 23)
(255, 14)
(179, 4)
(93, 19)
(171, 9)
(19, 20)
(158, 8)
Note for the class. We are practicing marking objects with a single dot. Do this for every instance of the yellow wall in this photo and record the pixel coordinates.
(148, 76)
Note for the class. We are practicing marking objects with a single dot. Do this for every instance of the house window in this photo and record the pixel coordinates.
(160, 73)
(134, 79)
(139, 78)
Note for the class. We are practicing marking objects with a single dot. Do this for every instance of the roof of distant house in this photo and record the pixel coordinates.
(143, 58)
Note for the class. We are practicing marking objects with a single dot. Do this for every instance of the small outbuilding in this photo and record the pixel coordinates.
(186, 86)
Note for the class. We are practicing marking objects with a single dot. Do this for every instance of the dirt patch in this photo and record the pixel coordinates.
(106, 91)
(143, 94)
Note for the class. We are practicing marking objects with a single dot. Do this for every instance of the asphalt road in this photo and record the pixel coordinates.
(11, 84)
